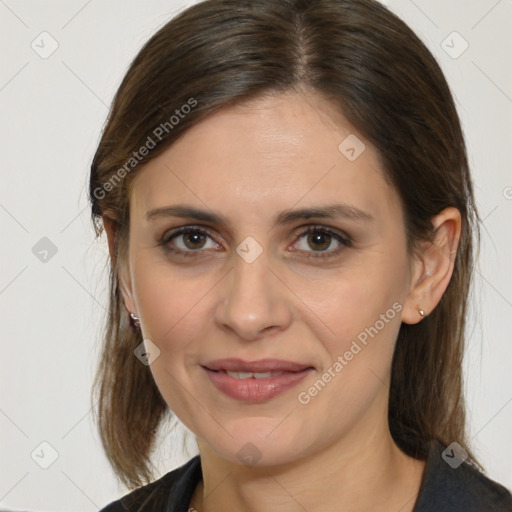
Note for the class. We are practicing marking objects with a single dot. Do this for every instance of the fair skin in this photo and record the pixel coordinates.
(247, 163)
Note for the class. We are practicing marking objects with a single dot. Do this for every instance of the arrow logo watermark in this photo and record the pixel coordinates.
(351, 147)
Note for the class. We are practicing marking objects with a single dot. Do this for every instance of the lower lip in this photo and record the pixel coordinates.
(255, 390)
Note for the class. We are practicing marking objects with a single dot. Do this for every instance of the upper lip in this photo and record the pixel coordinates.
(261, 365)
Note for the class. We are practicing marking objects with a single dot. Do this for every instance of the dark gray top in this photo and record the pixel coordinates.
(443, 489)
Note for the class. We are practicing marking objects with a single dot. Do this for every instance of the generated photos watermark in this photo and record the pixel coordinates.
(305, 397)
(152, 140)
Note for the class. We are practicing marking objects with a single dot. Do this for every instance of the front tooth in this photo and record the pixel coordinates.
(262, 375)
(240, 375)
(248, 375)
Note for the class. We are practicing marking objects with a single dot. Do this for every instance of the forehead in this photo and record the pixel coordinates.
(270, 153)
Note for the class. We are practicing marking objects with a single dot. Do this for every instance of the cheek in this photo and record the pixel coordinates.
(170, 303)
(357, 315)
(348, 300)
(172, 306)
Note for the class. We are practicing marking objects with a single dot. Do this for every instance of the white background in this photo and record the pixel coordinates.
(52, 112)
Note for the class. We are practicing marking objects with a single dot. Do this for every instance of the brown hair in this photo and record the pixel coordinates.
(368, 63)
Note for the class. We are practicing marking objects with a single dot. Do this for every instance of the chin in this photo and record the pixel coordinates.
(259, 441)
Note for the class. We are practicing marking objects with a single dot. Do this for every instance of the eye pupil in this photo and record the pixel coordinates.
(318, 238)
(196, 237)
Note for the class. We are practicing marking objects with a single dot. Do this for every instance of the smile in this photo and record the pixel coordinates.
(255, 386)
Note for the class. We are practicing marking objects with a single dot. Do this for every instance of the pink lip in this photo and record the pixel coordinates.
(252, 389)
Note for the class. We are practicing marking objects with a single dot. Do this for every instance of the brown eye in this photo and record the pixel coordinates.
(193, 240)
(319, 241)
(323, 241)
(187, 240)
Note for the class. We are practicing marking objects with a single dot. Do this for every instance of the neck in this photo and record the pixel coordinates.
(365, 471)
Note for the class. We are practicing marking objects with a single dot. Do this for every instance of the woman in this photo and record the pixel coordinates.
(290, 218)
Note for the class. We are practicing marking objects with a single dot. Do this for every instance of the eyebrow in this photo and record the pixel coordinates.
(332, 211)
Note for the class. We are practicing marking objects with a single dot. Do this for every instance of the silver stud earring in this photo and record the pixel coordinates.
(134, 322)
(421, 312)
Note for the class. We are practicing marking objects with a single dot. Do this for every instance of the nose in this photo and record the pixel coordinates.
(254, 301)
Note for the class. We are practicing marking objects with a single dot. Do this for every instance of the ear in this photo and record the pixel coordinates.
(433, 266)
(111, 228)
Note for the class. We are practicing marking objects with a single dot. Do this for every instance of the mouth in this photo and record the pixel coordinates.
(255, 381)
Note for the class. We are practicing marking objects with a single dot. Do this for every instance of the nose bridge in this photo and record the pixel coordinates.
(251, 300)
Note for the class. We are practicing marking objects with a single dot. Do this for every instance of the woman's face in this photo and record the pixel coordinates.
(253, 284)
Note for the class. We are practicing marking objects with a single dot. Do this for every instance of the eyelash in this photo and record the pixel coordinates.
(344, 240)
